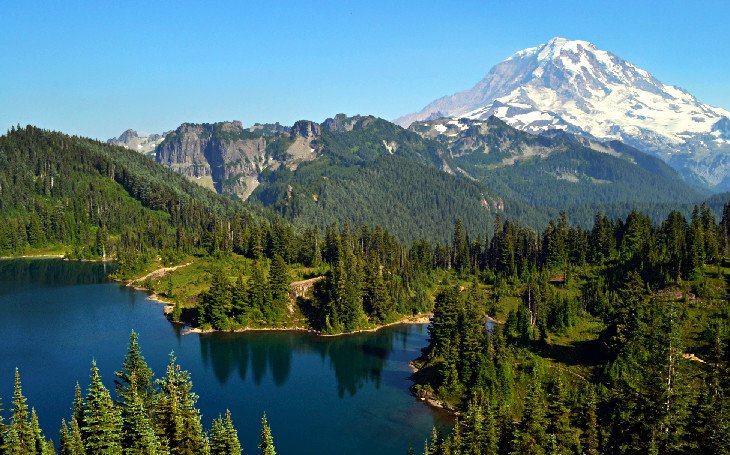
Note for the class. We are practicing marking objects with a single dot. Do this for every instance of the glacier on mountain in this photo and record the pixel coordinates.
(572, 85)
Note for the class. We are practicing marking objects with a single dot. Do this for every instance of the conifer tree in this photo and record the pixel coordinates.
(376, 299)
(102, 428)
(531, 437)
(490, 433)
(63, 438)
(239, 300)
(71, 442)
(11, 443)
(461, 248)
(77, 410)
(134, 365)
(266, 444)
(232, 441)
(178, 420)
(23, 439)
(591, 430)
(3, 428)
(217, 438)
(472, 331)
(215, 303)
(138, 434)
(41, 444)
(560, 420)
(257, 292)
(224, 437)
(278, 288)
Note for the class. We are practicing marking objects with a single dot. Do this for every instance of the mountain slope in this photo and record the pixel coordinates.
(576, 87)
(368, 170)
(228, 158)
(71, 192)
(417, 182)
(556, 170)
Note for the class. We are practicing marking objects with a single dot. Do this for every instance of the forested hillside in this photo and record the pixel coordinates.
(613, 341)
(368, 170)
(555, 170)
(374, 172)
(93, 200)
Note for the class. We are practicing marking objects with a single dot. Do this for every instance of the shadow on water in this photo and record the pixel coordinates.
(355, 359)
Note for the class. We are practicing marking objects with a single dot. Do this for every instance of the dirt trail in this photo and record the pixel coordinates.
(157, 273)
(299, 289)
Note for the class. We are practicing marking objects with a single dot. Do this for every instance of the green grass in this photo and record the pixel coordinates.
(48, 250)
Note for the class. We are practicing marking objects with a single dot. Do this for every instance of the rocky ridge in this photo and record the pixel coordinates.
(140, 142)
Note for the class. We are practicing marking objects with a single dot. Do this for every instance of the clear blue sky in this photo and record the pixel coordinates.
(97, 68)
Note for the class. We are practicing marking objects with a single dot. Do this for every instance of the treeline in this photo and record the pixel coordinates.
(642, 391)
(371, 278)
(151, 417)
(259, 300)
(663, 253)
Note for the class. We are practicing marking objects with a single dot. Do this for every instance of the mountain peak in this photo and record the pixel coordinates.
(552, 49)
(134, 140)
(574, 86)
(557, 46)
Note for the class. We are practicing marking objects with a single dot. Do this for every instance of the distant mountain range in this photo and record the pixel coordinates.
(575, 87)
(417, 181)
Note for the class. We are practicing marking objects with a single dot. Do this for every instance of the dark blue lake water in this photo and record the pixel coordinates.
(321, 395)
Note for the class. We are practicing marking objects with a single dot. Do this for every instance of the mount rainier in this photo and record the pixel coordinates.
(574, 86)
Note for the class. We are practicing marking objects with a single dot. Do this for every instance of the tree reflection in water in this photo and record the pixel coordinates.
(51, 272)
(355, 359)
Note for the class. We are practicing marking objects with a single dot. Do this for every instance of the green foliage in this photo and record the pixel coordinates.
(224, 437)
(135, 376)
(279, 289)
(178, 420)
(266, 444)
(102, 425)
(636, 389)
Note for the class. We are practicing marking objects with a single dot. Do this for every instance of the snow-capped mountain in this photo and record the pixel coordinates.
(140, 142)
(574, 86)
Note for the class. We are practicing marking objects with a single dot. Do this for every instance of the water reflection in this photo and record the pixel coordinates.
(18, 273)
(262, 352)
(355, 359)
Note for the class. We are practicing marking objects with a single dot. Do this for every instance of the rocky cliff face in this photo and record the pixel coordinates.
(229, 158)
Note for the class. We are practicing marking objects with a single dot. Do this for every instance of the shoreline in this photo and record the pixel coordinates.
(423, 318)
(35, 256)
(417, 319)
(55, 256)
(432, 402)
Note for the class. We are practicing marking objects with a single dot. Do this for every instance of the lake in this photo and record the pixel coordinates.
(324, 395)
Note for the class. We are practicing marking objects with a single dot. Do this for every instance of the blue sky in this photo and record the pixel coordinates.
(97, 68)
